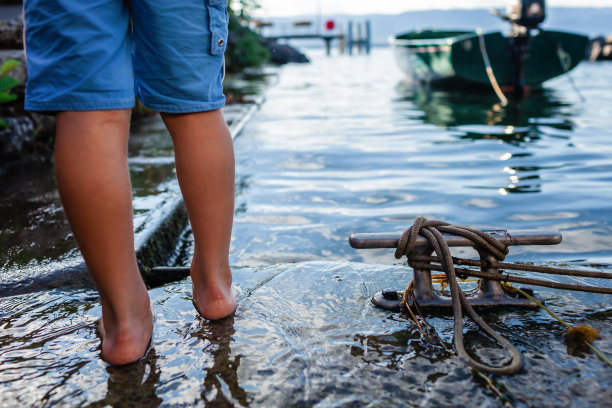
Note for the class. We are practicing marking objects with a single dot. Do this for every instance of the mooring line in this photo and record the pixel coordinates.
(489, 70)
(421, 260)
(551, 313)
(501, 277)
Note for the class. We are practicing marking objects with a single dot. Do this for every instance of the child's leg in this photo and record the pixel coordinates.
(205, 169)
(93, 180)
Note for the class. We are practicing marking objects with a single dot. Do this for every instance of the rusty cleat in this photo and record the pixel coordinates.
(489, 292)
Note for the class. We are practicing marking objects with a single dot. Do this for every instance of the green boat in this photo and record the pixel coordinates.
(525, 58)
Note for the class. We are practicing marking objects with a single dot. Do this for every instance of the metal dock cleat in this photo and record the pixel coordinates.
(489, 293)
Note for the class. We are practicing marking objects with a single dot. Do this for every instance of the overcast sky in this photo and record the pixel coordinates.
(301, 7)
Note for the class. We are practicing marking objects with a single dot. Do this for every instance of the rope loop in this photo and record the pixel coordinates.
(432, 230)
(484, 243)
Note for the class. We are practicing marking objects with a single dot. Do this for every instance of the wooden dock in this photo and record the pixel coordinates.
(357, 36)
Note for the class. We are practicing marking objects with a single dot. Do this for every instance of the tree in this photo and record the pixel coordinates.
(245, 48)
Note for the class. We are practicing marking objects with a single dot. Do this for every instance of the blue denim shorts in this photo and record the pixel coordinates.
(100, 54)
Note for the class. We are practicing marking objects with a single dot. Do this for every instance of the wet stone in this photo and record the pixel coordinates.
(296, 332)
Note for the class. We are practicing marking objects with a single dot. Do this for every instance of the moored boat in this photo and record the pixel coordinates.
(527, 57)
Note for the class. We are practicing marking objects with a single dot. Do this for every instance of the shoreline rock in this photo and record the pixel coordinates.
(11, 34)
(282, 54)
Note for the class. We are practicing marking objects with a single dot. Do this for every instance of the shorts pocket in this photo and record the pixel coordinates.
(218, 20)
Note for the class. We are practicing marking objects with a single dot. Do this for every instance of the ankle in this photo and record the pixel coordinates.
(120, 315)
(210, 275)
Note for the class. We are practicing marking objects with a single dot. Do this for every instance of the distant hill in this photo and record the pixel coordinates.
(590, 21)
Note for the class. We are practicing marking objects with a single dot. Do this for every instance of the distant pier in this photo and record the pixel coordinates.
(358, 36)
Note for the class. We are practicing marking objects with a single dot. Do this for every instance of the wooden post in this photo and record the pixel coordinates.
(359, 38)
(368, 36)
(350, 38)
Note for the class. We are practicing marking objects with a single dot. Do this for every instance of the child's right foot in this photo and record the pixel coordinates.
(214, 296)
(215, 303)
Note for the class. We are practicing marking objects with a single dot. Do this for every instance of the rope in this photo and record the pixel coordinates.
(516, 267)
(566, 62)
(432, 231)
(515, 279)
(489, 70)
(423, 262)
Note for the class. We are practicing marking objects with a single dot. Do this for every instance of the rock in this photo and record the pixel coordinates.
(11, 34)
(283, 54)
(28, 136)
(13, 139)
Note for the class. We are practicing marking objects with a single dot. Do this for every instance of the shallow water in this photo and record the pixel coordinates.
(345, 145)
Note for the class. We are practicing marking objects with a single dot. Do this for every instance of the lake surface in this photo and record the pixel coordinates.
(344, 145)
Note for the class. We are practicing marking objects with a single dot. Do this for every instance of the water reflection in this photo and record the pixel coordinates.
(516, 123)
(221, 386)
(525, 125)
(133, 385)
(32, 222)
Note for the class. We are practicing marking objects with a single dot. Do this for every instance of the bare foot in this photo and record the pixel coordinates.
(127, 342)
(217, 303)
(214, 298)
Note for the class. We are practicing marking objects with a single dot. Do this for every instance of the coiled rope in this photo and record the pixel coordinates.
(432, 230)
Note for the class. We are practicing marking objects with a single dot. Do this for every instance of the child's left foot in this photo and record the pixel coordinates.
(125, 344)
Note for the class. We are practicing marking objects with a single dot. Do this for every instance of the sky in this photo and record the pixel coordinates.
(277, 8)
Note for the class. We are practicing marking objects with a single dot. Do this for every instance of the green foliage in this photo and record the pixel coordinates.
(245, 48)
(8, 65)
(6, 84)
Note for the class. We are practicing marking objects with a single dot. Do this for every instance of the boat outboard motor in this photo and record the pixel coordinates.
(525, 15)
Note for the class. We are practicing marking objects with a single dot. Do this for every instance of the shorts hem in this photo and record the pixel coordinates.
(79, 106)
(172, 108)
